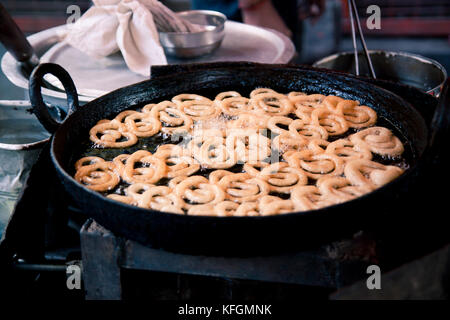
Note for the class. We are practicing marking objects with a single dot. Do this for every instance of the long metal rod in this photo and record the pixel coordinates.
(355, 46)
(363, 42)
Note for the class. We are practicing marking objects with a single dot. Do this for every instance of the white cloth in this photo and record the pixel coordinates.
(125, 25)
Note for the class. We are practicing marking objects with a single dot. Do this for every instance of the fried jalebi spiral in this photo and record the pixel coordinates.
(211, 152)
(273, 122)
(197, 190)
(254, 169)
(307, 198)
(287, 142)
(85, 161)
(335, 124)
(348, 150)
(200, 110)
(298, 128)
(98, 176)
(379, 140)
(216, 175)
(226, 208)
(151, 171)
(305, 104)
(234, 156)
(277, 207)
(315, 165)
(339, 189)
(271, 103)
(369, 174)
(177, 161)
(142, 124)
(232, 103)
(120, 161)
(249, 121)
(110, 135)
(136, 190)
(241, 187)
(247, 209)
(186, 97)
(356, 116)
(281, 178)
(173, 120)
(248, 146)
(317, 145)
(158, 197)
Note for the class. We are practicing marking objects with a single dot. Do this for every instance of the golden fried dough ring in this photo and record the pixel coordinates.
(186, 97)
(305, 104)
(111, 132)
(331, 103)
(226, 208)
(198, 190)
(200, 110)
(277, 207)
(173, 120)
(177, 162)
(154, 168)
(348, 150)
(379, 140)
(241, 187)
(233, 106)
(369, 174)
(298, 128)
(120, 161)
(247, 209)
(339, 189)
(318, 165)
(318, 145)
(281, 178)
(248, 146)
(335, 124)
(121, 116)
(136, 190)
(214, 154)
(272, 104)
(158, 197)
(249, 121)
(85, 161)
(142, 124)
(307, 198)
(260, 91)
(254, 169)
(216, 175)
(99, 176)
(274, 121)
(287, 141)
(357, 116)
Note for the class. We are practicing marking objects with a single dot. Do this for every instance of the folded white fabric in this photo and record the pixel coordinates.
(125, 25)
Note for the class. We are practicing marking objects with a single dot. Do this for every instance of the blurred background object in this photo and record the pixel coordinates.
(419, 26)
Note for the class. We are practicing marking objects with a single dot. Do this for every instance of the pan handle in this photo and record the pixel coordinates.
(40, 109)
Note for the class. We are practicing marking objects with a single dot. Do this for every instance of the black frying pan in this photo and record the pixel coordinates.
(229, 235)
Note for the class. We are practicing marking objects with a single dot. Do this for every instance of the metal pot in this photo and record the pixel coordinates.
(407, 68)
